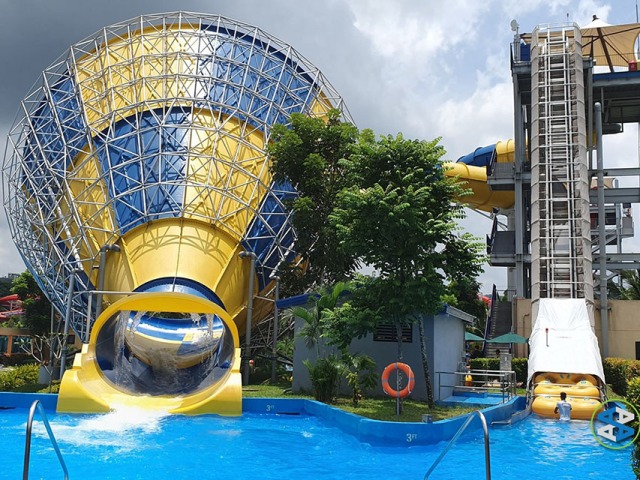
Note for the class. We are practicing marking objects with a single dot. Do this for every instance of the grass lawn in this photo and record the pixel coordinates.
(375, 408)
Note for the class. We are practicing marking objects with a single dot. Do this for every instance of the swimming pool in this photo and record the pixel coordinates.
(133, 444)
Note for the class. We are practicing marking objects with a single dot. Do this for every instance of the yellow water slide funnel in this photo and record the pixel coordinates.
(139, 182)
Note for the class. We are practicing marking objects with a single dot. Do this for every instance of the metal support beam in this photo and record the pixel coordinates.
(247, 334)
(617, 195)
(604, 310)
(103, 260)
(67, 319)
(274, 345)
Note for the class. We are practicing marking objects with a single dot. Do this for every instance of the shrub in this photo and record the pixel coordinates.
(485, 363)
(633, 392)
(619, 372)
(521, 367)
(325, 377)
(633, 396)
(518, 365)
(360, 374)
(16, 377)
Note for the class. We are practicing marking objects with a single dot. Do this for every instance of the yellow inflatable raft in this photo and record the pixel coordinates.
(582, 393)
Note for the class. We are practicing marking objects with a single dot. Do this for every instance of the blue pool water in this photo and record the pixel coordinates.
(135, 445)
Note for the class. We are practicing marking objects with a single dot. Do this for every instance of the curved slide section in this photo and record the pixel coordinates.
(183, 361)
(472, 170)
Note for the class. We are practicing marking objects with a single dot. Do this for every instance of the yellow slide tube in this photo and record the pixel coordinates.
(482, 197)
(86, 389)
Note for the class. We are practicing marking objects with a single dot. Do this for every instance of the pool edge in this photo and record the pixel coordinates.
(374, 432)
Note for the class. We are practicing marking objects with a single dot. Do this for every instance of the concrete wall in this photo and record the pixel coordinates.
(445, 349)
(624, 326)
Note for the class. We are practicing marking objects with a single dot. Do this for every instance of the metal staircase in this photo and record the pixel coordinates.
(560, 226)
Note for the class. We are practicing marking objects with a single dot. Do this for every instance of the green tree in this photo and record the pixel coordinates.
(385, 203)
(400, 217)
(360, 374)
(5, 287)
(309, 154)
(468, 297)
(37, 308)
(322, 304)
(628, 289)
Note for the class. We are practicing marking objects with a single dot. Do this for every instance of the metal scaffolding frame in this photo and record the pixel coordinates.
(129, 120)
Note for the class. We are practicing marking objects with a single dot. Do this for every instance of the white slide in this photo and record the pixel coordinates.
(565, 357)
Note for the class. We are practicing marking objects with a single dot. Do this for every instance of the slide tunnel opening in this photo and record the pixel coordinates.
(164, 353)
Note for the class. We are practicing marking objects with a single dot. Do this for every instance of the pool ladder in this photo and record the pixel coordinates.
(487, 455)
(27, 447)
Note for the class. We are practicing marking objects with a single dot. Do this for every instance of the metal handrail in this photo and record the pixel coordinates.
(27, 446)
(487, 455)
(506, 379)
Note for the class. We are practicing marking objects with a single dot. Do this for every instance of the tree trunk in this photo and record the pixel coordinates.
(399, 339)
(425, 363)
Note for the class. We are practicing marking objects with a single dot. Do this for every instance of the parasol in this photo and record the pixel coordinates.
(613, 44)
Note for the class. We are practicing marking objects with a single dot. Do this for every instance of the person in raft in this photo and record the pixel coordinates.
(564, 407)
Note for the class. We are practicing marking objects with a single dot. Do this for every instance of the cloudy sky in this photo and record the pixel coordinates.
(426, 68)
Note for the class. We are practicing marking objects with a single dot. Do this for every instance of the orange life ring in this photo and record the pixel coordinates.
(406, 369)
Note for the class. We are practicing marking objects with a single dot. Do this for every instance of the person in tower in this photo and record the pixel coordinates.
(564, 408)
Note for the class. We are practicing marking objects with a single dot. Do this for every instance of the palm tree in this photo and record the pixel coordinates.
(324, 302)
(628, 289)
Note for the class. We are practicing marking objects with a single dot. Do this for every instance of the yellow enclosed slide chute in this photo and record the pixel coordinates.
(471, 170)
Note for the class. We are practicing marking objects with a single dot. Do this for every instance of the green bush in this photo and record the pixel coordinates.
(633, 392)
(325, 377)
(485, 363)
(521, 367)
(518, 365)
(16, 377)
(633, 396)
(619, 371)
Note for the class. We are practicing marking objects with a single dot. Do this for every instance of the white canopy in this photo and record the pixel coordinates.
(562, 339)
(610, 45)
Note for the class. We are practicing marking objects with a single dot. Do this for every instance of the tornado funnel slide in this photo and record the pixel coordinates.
(136, 176)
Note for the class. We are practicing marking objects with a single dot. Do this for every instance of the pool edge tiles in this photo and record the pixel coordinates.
(377, 432)
(10, 400)
(374, 432)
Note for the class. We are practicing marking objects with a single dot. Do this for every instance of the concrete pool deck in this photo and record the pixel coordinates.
(471, 399)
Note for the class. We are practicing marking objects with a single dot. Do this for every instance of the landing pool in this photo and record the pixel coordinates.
(132, 445)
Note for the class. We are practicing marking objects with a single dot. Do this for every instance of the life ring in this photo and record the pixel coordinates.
(406, 369)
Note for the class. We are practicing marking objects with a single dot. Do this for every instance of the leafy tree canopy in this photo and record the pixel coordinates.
(5, 287)
(629, 289)
(400, 216)
(309, 155)
(36, 306)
